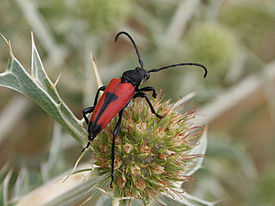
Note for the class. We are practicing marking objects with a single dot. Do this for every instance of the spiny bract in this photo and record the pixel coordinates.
(150, 153)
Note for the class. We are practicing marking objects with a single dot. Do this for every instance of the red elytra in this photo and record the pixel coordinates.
(115, 97)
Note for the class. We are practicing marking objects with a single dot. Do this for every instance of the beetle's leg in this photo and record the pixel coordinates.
(91, 109)
(87, 111)
(147, 89)
(102, 88)
(141, 94)
(113, 144)
(87, 146)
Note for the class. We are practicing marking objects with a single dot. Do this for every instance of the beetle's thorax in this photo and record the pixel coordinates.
(136, 76)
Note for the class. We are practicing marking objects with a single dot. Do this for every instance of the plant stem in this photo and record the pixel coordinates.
(115, 201)
(116, 198)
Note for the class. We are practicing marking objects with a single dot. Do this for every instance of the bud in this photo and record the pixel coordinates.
(140, 184)
(135, 170)
(145, 149)
(163, 156)
(121, 181)
(140, 127)
(117, 163)
(158, 169)
(213, 44)
(103, 14)
(160, 132)
(128, 148)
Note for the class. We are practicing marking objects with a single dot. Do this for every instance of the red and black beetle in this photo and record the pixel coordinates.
(117, 96)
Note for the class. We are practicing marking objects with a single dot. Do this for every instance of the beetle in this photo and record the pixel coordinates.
(118, 94)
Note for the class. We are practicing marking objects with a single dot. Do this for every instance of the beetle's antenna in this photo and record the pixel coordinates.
(135, 46)
(182, 64)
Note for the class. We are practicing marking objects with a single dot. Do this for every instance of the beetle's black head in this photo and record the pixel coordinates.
(136, 76)
(142, 72)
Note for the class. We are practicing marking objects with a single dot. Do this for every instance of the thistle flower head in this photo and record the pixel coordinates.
(103, 14)
(213, 45)
(151, 153)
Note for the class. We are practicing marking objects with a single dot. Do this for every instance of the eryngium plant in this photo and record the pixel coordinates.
(150, 153)
(153, 156)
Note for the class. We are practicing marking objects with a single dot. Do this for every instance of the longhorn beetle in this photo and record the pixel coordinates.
(118, 94)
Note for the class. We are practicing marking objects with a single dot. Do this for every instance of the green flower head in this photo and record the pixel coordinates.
(150, 153)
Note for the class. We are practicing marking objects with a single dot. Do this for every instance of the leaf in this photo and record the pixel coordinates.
(38, 73)
(175, 201)
(6, 188)
(42, 90)
(192, 167)
(103, 200)
(79, 192)
(186, 199)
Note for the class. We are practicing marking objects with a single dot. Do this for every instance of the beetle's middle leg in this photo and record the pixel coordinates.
(91, 109)
(141, 94)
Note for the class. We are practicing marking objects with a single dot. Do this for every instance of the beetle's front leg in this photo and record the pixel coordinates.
(87, 111)
(141, 94)
(148, 89)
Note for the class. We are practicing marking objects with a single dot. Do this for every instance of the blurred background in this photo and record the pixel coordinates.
(235, 39)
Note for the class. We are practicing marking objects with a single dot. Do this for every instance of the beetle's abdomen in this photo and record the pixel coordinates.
(115, 97)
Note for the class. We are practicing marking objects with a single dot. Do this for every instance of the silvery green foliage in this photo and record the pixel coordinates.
(42, 90)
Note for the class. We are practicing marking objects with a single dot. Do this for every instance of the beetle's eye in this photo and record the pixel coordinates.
(138, 69)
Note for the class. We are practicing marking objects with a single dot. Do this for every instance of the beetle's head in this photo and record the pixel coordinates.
(136, 77)
(143, 73)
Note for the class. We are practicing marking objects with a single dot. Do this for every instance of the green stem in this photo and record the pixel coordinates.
(117, 197)
(115, 201)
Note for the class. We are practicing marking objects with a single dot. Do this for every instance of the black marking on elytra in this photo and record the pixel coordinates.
(108, 99)
(94, 128)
